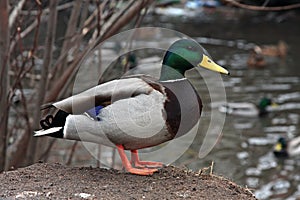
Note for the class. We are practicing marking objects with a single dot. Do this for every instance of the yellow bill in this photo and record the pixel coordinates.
(211, 65)
(274, 105)
(278, 147)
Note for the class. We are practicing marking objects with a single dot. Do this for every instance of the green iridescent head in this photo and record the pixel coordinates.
(184, 55)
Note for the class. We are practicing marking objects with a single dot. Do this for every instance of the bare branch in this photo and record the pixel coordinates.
(4, 63)
(34, 24)
(14, 14)
(71, 30)
(121, 19)
(51, 29)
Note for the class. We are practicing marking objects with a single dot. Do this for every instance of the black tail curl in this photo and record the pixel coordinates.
(58, 120)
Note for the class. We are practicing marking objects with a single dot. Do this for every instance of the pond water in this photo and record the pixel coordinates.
(244, 153)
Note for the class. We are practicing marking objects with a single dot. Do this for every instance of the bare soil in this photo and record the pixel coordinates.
(55, 181)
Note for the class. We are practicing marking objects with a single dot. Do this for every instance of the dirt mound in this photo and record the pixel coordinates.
(55, 181)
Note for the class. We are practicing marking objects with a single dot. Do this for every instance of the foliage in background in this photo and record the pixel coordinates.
(39, 62)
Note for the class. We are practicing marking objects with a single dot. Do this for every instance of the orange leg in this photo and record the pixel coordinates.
(142, 164)
(128, 165)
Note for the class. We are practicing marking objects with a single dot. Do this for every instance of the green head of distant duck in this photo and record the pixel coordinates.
(184, 55)
(265, 102)
(280, 148)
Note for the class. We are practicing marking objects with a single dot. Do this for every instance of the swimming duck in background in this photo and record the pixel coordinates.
(256, 59)
(284, 148)
(279, 50)
(135, 112)
(245, 109)
(257, 55)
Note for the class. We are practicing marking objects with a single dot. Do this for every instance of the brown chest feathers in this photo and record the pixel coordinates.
(183, 107)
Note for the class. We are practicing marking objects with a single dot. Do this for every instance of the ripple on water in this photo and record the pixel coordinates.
(267, 161)
(242, 155)
(252, 171)
(279, 121)
(243, 126)
(289, 79)
(276, 129)
(296, 195)
(245, 89)
(279, 186)
(287, 97)
(252, 182)
(238, 61)
(261, 141)
(275, 87)
(292, 118)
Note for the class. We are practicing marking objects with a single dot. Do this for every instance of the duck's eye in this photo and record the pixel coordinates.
(190, 48)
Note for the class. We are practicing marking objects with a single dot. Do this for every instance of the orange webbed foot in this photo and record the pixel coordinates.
(143, 164)
(127, 165)
(143, 171)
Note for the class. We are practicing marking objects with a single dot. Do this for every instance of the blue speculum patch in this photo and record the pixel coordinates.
(94, 112)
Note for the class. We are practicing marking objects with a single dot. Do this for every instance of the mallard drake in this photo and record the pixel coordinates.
(284, 148)
(135, 112)
(246, 109)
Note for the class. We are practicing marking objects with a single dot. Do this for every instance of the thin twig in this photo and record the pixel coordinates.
(211, 168)
(116, 18)
(20, 146)
(70, 33)
(45, 155)
(34, 24)
(137, 24)
(113, 158)
(46, 11)
(94, 14)
(72, 153)
(266, 3)
(98, 162)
